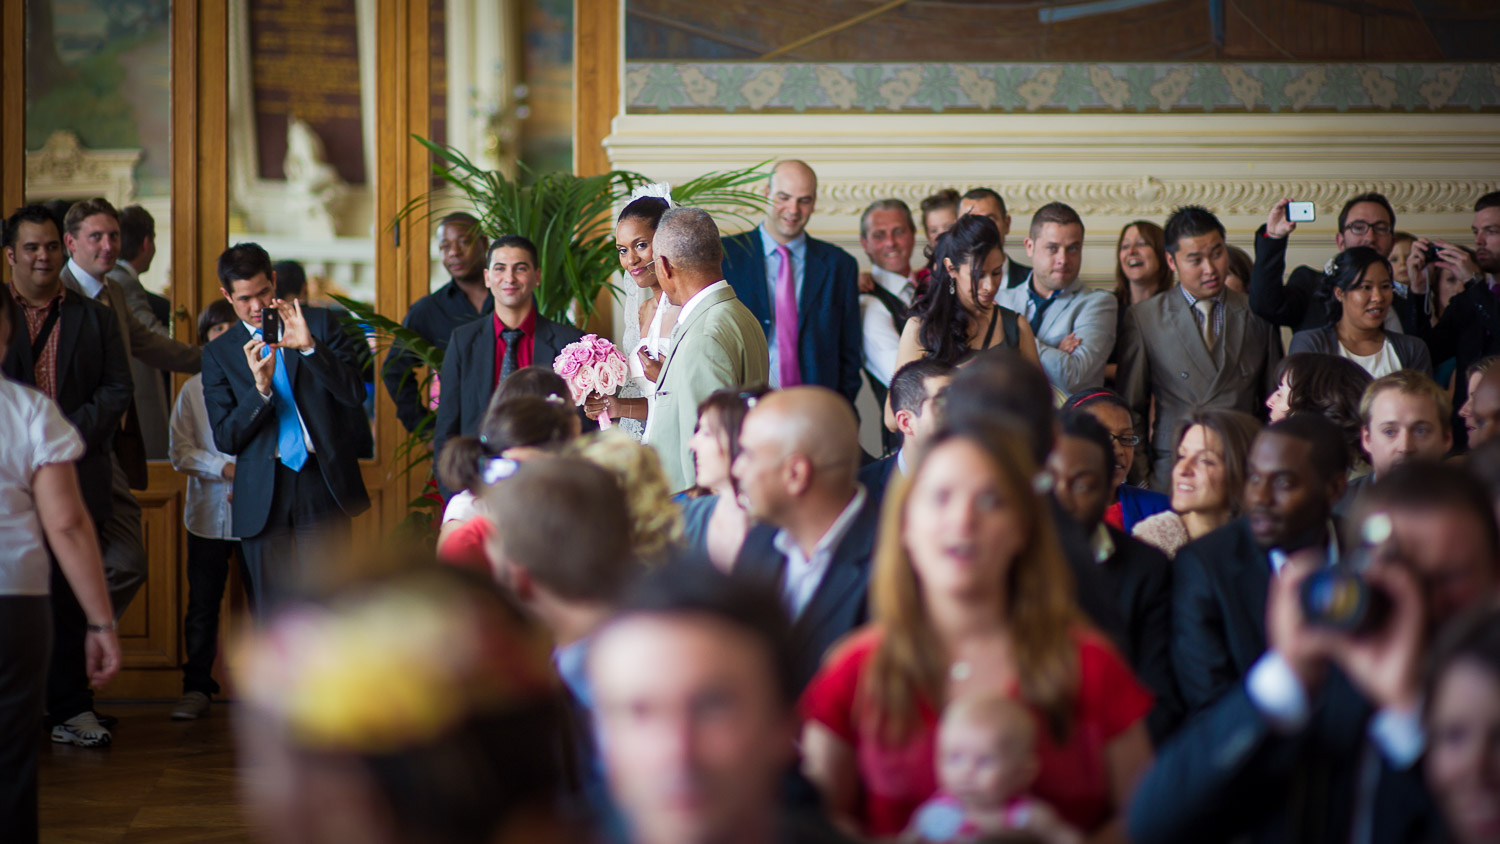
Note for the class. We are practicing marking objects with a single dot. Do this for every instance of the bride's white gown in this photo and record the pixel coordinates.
(658, 339)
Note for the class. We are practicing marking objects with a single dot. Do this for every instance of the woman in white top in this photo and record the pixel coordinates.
(1360, 294)
(1208, 479)
(41, 507)
(650, 336)
(211, 542)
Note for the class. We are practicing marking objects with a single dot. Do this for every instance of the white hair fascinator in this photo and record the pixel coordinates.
(659, 190)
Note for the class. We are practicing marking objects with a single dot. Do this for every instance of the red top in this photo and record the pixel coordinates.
(1114, 516)
(528, 340)
(465, 546)
(1073, 778)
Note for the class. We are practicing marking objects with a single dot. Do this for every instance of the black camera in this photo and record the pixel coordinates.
(1339, 597)
(1431, 254)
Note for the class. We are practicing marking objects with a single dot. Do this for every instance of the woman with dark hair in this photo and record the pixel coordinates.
(650, 335)
(958, 316)
(1329, 386)
(1131, 503)
(1359, 293)
(1240, 266)
(1208, 478)
(714, 522)
(518, 425)
(970, 594)
(1462, 718)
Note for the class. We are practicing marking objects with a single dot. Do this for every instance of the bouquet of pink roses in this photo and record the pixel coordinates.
(592, 365)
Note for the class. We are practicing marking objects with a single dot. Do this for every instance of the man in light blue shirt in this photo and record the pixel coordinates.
(1073, 323)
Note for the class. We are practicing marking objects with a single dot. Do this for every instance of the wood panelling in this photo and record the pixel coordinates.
(12, 104)
(596, 81)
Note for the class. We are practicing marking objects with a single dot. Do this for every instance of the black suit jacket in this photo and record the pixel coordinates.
(434, 317)
(1468, 330)
(330, 394)
(1296, 304)
(1219, 588)
(1140, 578)
(838, 605)
(1228, 776)
(94, 387)
(876, 477)
(469, 373)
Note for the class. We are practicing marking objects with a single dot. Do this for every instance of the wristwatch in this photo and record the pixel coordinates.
(111, 627)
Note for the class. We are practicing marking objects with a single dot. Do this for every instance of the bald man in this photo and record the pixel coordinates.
(799, 454)
(715, 345)
(803, 291)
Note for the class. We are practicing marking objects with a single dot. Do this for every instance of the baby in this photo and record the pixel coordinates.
(986, 761)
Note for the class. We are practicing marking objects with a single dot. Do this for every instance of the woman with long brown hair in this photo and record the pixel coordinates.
(970, 594)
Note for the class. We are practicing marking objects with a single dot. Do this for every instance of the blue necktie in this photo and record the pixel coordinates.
(288, 428)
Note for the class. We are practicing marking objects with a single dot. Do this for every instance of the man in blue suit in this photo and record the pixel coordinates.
(822, 342)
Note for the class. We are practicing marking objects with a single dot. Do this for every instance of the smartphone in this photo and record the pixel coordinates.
(1300, 212)
(270, 325)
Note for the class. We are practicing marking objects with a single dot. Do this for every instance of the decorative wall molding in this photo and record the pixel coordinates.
(1153, 197)
(64, 169)
(1205, 87)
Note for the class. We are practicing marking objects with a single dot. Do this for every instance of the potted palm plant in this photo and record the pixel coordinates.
(570, 218)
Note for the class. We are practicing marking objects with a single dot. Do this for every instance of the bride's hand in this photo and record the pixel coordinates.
(596, 404)
(651, 366)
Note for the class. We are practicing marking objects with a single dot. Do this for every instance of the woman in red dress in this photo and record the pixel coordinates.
(970, 593)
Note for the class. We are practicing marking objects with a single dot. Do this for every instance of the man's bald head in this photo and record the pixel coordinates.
(793, 191)
(688, 254)
(797, 443)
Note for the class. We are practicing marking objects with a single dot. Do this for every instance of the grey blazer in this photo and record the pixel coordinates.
(1162, 357)
(149, 407)
(1411, 351)
(720, 345)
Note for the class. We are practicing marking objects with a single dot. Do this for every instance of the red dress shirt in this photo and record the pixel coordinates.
(528, 341)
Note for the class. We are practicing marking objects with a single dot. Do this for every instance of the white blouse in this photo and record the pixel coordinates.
(36, 434)
(209, 513)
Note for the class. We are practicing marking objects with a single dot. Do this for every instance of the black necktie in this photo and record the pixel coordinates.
(1041, 304)
(512, 338)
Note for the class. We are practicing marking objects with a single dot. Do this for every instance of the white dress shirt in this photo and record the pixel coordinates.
(266, 397)
(882, 339)
(803, 573)
(91, 286)
(208, 513)
(36, 434)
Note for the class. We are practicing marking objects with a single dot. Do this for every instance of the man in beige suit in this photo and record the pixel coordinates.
(1196, 345)
(91, 233)
(717, 342)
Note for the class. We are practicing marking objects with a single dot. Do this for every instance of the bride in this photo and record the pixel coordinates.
(634, 232)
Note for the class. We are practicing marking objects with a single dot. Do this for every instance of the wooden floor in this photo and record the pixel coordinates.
(162, 781)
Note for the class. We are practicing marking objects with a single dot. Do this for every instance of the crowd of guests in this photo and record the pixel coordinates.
(1095, 587)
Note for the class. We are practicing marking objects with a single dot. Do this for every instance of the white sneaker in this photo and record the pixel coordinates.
(83, 730)
(190, 707)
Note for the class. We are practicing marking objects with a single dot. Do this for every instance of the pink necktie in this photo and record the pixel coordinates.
(786, 321)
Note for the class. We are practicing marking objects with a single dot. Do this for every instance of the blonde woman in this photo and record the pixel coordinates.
(655, 522)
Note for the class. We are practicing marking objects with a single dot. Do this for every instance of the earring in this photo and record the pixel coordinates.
(952, 286)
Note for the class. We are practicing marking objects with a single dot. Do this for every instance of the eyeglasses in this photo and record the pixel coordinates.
(1362, 228)
(1127, 439)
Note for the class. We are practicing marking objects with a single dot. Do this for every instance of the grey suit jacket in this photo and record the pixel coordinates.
(150, 393)
(1411, 351)
(1080, 310)
(720, 345)
(149, 410)
(1162, 357)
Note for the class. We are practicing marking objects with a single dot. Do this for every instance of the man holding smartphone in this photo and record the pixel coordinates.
(285, 395)
(1366, 220)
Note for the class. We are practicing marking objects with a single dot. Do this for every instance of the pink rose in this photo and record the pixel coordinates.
(581, 384)
(620, 369)
(605, 380)
(602, 348)
(565, 364)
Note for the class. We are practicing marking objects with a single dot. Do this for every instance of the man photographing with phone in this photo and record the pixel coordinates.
(1365, 220)
(1321, 740)
(285, 394)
